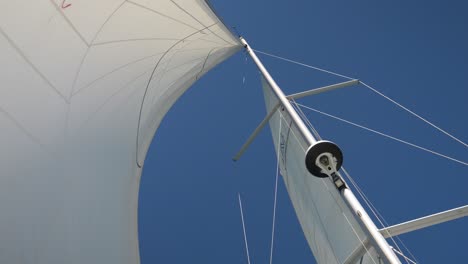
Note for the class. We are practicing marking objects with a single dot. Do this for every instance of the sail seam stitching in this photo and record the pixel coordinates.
(69, 23)
(21, 53)
(26, 132)
(162, 14)
(188, 13)
(89, 48)
(147, 86)
(113, 71)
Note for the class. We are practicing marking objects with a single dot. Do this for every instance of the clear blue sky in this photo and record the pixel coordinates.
(413, 51)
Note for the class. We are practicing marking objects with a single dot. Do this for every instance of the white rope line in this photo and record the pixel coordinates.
(306, 120)
(360, 240)
(305, 65)
(387, 136)
(276, 193)
(414, 114)
(407, 249)
(243, 228)
(405, 257)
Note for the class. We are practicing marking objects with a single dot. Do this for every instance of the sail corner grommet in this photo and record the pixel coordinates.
(316, 150)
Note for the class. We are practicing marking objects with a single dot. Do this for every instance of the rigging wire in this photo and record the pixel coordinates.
(372, 89)
(416, 115)
(276, 194)
(305, 65)
(360, 240)
(385, 135)
(305, 119)
(243, 229)
(376, 213)
(408, 260)
(379, 216)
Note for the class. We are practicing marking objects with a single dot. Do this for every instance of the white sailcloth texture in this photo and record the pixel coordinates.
(333, 234)
(84, 85)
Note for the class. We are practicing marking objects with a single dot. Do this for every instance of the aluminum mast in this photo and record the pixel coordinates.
(376, 239)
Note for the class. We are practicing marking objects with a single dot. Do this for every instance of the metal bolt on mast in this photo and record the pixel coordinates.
(321, 161)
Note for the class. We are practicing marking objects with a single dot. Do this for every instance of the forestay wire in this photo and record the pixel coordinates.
(370, 88)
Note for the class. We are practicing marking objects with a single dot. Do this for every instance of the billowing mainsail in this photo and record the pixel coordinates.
(84, 86)
(329, 226)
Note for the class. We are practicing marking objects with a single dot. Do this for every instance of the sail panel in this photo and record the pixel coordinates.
(328, 225)
(84, 88)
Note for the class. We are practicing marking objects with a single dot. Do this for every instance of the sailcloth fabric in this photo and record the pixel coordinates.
(329, 226)
(84, 86)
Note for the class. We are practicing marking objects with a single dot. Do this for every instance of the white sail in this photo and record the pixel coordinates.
(84, 86)
(329, 226)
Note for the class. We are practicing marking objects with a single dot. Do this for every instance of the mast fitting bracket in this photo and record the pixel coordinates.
(324, 159)
(316, 155)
